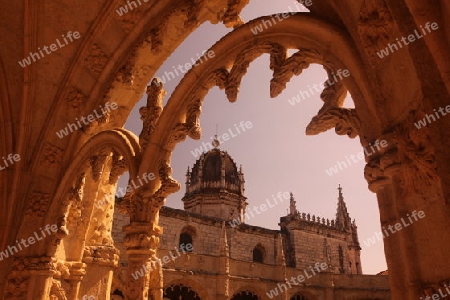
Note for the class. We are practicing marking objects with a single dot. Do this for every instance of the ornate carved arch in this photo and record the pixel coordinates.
(74, 213)
(124, 151)
(193, 285)
(245, 295)
(233, 54)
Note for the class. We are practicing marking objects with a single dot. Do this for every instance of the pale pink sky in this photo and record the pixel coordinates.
(275, 153)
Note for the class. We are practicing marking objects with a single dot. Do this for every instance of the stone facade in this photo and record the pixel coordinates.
(230, 257)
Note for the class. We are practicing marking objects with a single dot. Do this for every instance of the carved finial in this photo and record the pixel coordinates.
(151, 112)
(292, 205)
(343, 220)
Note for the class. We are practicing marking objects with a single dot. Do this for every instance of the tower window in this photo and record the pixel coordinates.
(258, 254)
(186, 238)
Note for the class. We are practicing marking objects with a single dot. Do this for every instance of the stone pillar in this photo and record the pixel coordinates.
(30, 278)
(404, 176)
(144, 274)
(223, 278)
(100, 261)
(77, 271)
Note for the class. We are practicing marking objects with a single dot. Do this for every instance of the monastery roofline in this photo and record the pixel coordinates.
(180, 213)
(311, 220)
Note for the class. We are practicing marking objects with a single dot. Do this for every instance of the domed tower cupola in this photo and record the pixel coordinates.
(215, 187)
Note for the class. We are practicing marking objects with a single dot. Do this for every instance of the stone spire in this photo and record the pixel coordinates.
(343, 220)
(188, 176)
(292, 205)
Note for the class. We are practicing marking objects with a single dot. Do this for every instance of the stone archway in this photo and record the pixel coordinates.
(387, 168)
(298, 296)
(81, 247)
(180, 292)
(245, 295)
(180, 117)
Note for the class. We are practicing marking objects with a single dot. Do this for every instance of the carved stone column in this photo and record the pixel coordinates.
(100, 261)
(144, 276)
(28, 272)
(404, 177)
(77, 271)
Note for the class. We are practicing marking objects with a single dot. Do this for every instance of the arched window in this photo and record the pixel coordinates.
(185, 239)
(117, 295)
(298, 297)
(245, 295)
(259, 254)
(187, 236)
(180, 292)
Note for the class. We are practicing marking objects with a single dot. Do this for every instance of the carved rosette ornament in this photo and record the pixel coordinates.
(17, 288)
(76, 99)
(51, 156)
(375, 26)
(129, 19)
(96, 59)
(38, 205)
